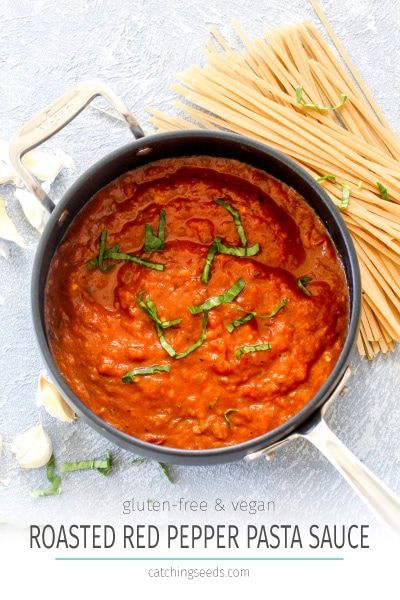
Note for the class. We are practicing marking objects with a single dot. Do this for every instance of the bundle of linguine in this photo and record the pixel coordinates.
(290, 91)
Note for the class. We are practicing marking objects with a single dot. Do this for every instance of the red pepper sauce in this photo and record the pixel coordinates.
(97, 331)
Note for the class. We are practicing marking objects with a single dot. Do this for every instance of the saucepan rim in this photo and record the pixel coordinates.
(234, 451)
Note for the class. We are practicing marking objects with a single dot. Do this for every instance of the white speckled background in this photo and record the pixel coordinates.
(46, 47)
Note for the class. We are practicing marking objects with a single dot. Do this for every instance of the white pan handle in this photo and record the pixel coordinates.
(382, 501)
(53, 118)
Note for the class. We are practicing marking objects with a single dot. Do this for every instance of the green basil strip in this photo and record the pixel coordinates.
(153, 242)
(255, 348)
(166, 345)
(150, 309)
(161, 226)
(219, 247)
(383, 192)
(102, 465)
(228, 412)
(302, 284)
(213, 250)
(135, 259)
(238, 250)
(113, 253)
(251, 315)
(102, 250)
(130, 375)
(227, 296)
(344, 204)
(166, 471)
(199, 342)
(299, 100)
(99, 260)
(139, 461)
(327, 177)
(236, 218)
(238, 322)
(54, 479)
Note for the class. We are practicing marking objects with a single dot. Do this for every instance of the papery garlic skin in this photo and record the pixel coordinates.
(1, 444)
(50, 398)
(32, 448)
(8, 231)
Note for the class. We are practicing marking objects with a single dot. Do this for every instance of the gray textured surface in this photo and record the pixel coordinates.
(47, 46)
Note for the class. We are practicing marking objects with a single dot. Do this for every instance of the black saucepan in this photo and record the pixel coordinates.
(308, 422)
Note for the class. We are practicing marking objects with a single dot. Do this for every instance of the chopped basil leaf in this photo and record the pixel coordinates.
(166, 471)
(102, 465)
(166, 345)
(227, 413)
(255, 348)
(327, 177)
(129, 377)
(199, 342)
(299, 100)
(161, 226)
(139, 461)
(135, 259)
(302, 284)
(153, 242)
(54, 479)
(299, 93)
(164, 468)
(150, 309)
(344, 204)
(238, 322)
(219, 247)
(238, 250)
(251, 315)
(383, 192)
(205, 276)
(99, 260)
(227, 296)
(113, 253)
(92, 263)
(236, 218)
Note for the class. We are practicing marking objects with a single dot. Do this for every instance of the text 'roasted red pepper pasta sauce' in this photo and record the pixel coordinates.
(196, 303)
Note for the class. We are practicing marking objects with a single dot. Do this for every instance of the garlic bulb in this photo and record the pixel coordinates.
(49, 397)
(32, 448)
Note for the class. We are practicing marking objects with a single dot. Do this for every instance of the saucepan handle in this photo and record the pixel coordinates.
(44, 125)
(382, 501)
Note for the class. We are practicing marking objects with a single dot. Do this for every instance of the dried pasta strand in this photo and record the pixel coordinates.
(253, 92)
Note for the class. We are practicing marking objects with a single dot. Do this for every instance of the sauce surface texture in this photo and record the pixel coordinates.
(211, 396)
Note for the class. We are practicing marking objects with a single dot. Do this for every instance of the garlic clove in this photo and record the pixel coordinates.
(45, 166)
(32, 448)
(7, 173)
(33, 210)
(49, 397)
